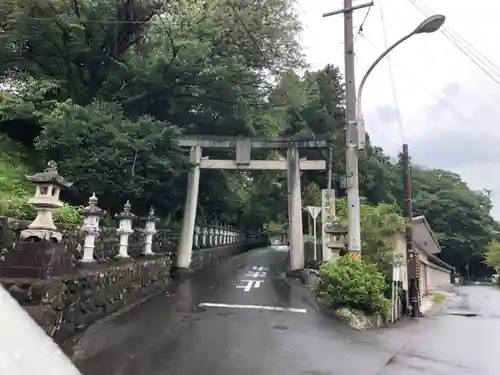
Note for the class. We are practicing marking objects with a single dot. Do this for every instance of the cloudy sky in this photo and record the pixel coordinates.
(449, 108)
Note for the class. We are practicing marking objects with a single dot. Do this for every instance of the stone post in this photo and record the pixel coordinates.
(92, 215)
(219, 235)
(226, 235)
(211, 237)
(214, 235)
(222, 231)
(196, 237)
(124, 229)
(204, 235)
(150, 231)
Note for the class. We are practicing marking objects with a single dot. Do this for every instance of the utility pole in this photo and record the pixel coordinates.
(329, 167)
(352, 142)
(412, 255)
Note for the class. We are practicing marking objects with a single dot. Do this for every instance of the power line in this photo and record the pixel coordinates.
(391, 75)
(495, 68)
(441, 100)
(465, 47)
(360, 29)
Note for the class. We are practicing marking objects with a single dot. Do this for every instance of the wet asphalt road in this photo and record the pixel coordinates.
(171, 334)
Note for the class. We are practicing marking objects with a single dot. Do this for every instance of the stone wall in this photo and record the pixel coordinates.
(65, 296)
(66, 305)
(203, 258)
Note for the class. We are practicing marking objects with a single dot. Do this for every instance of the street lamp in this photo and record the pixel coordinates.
(429, 25)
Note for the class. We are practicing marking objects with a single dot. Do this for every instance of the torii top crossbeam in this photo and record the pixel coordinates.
(255, 142)
(244, 146)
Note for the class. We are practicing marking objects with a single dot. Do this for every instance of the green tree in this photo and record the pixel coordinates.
(492, 255)
(186, 66)
(379, 224)
(130, 157)
(459, 216)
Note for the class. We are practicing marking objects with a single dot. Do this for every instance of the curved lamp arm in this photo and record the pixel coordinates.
(429, 25)
(359, 112)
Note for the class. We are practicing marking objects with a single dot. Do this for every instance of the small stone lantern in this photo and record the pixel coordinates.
(150, 231)
(125, 229)
(91, 217)
(46, 200)
(336, 241)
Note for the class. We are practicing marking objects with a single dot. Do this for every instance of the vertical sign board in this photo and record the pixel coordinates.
(327, 216)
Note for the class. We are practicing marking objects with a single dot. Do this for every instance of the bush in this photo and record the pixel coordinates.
(354, 284)
(68, 214)
(12, 170)
(19, 208)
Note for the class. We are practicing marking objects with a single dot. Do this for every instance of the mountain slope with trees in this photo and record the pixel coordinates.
(103, 88)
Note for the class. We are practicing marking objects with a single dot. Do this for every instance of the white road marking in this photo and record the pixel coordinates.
(259, 268)
(250, 284)
(256, 274)
(256, 307)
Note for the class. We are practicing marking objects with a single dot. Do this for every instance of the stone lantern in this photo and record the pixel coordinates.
(48, 186)
(41, 254)
(336, 238)
(150, 231)
(92, 214)
(125, 229)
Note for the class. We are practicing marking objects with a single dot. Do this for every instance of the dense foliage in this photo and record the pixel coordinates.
(103, 87)
(355, 284)
(378, 225)
(492, 255)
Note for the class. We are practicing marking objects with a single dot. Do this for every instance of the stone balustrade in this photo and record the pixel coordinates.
(92, 271)
(134, 237)
(141, 242)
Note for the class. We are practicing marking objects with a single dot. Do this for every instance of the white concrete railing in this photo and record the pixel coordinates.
(25, 349)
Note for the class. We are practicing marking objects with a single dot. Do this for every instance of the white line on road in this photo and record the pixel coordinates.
(250, 284)
(260, 268)
(256, 307)
(255, 274)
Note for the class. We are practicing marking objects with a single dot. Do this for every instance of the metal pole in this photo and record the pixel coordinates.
(314, 234)
(330, 167)
(413, 261)
(352, 172)
(309, 224)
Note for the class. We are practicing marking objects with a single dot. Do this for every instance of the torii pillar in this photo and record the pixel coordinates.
(295, 235)
(188, 220)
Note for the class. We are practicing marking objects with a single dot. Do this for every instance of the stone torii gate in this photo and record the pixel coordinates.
(293, 165)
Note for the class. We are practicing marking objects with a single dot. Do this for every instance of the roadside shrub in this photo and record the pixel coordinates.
(354, 284)
(68, 214)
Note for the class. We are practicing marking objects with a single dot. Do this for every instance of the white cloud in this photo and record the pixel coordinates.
(448, 106)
